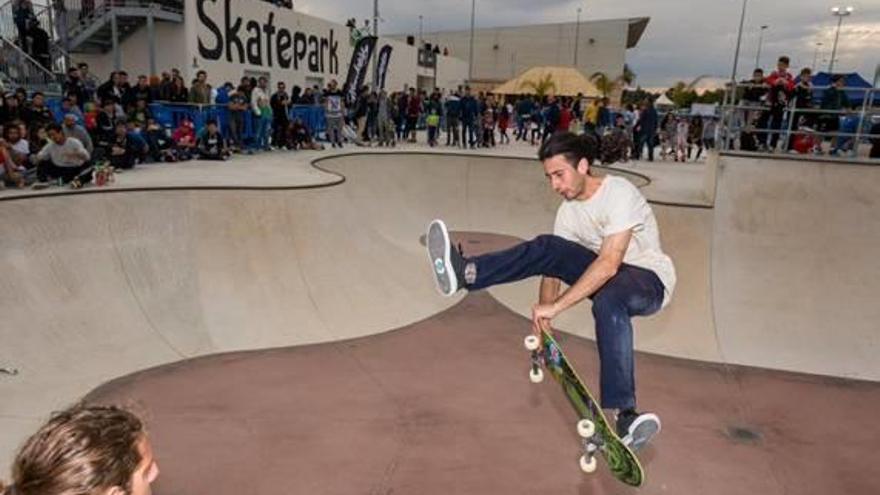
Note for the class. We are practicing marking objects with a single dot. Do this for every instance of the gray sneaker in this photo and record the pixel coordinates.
(637, 429)
(446, 261)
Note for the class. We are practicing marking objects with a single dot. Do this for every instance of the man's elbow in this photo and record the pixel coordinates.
(610, 269)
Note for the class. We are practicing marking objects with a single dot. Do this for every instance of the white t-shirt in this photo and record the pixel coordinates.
(615, 207)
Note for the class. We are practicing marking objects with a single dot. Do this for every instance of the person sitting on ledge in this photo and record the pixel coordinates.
(124, 151)
(160, 143)
(97, 450)
(63, 158)
(212, 145)
(185, 139)
(299, 137)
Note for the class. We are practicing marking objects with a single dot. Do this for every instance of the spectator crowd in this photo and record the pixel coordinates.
(115, 122)
(778, 112)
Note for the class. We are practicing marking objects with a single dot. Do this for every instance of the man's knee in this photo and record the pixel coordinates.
(609, 303)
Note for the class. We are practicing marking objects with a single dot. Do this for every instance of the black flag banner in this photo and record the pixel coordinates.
(357, 70)
(382, 65)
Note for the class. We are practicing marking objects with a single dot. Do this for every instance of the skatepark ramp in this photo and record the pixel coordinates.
(780, 274)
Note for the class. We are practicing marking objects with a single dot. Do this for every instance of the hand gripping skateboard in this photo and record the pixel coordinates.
(596, 432)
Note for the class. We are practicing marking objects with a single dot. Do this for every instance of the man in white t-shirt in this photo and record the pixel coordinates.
(605, 246)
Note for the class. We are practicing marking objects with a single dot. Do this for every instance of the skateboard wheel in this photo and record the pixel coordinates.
(586, 428)
(532, 343)
(536, 375)
(588, 464)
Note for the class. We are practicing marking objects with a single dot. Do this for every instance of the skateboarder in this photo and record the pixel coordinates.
(605, 246)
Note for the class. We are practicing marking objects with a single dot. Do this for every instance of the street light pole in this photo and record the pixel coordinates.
(577, 37)
(374, 64)
(739, 36)
(840, 13)
(760, 42)
(471, 55)
(816, 55)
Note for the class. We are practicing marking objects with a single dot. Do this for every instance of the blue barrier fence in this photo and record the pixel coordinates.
(169, 115)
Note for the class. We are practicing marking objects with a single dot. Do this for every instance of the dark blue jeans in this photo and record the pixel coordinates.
(633, 291)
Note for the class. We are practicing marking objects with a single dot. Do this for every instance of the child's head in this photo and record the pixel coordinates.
(782, 63)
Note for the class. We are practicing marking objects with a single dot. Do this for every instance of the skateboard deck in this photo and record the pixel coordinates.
(596, 432)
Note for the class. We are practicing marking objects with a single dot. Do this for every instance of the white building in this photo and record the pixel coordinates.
(233, 38)
(504, 52)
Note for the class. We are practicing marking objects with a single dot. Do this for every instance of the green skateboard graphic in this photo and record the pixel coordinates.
(596, 432)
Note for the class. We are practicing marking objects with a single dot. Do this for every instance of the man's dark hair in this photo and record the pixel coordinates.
(571, 146)
(82, 64)
(211, 122)
(54, 126)
(758, 70)
(837, 78)
(785, 60)
(123, 73)
(36, 94)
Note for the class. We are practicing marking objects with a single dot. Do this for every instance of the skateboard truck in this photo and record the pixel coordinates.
(586, 429)
(8, 371)
(536, 375)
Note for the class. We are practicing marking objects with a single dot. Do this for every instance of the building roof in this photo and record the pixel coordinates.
(567, 81)
(637, 26)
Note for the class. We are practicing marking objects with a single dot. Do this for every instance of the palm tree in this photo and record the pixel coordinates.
(604, 84)
(540, 87)
(628, 76)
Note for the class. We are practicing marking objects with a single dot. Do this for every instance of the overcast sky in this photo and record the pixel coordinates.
(685, 38)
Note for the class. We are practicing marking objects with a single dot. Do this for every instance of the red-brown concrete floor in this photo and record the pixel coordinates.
(445, 406)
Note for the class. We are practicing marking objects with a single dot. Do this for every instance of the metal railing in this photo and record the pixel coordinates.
(20, 69)
(58, 56)
(845, 131)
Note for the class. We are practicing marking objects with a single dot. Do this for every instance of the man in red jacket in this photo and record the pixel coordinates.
(781, 83)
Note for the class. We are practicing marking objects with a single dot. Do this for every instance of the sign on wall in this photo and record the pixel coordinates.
(226, 35)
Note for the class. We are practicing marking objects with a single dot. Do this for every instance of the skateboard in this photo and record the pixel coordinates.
(104, 174)
(596, 432)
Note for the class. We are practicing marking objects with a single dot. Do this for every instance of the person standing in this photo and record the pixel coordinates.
(453, 117)
(646, 129)
(200, 91)
(238, 108)
(781, 83)
(334, 113)
(260, 102)
(413, 111)
(280, 103)
(469, 110)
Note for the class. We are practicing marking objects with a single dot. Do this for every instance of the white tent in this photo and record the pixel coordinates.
(663, 101)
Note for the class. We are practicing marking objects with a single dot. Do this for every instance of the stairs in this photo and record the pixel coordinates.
(92, 31)
(18, 69)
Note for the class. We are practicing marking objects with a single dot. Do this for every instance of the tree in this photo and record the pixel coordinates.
(628, 77)
(636, 97)
(541, 87)
(603, 83)
(681, 95)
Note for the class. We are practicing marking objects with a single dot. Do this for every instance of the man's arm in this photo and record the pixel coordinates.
(549, 290)
(600, 271)
(597, 274)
